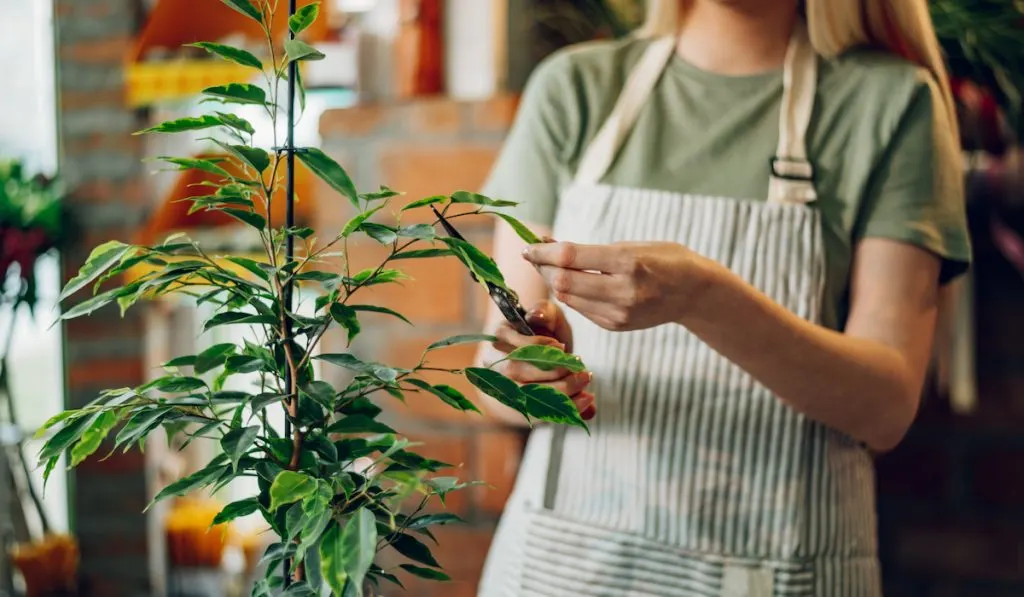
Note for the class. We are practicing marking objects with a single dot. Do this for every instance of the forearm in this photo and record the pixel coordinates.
(862, 387)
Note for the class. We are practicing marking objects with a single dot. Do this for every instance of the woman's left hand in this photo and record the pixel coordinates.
(623, 286)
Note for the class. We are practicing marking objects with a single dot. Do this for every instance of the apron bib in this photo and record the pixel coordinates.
(695, 479)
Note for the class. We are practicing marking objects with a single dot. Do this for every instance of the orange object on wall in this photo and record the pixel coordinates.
(172, 214)
(419, 49)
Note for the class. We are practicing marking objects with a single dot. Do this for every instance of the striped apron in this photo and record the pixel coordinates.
(695, 479)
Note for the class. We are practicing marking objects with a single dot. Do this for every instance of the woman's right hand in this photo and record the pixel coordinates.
(552, 329)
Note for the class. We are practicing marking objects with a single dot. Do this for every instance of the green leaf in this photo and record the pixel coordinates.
(482, 266)
(381, 233)
(462, 339)
(236, 55)
(347, 554)
(547, 404)
(438, 519)
(100, 260)
(322, 392)
(68, 435)
(383, 310)
(304, 17)
(371, 277)
(299, 50)
(212, 357)
(93, 437)
(236, 122)
(139, 425)
(289, 487)
(254, 267)
(420, 231)
(237, 93)
(361, 406)
(237, 510)
(497, 386)
(383, 193)
(355, 223)
(251, 218)
(95, 303)
(423, 254)
(546, 358)
(235, 317)
(524, 233)
(255, 157)
(300, 89)
(476, 199)
(176, 383)
(415, 550)
(347, 318)
(182, 125)
(358, 424)
(425, 201)
(236, 443)
(448, 394)
(196, 164)
(196, 480)
(427, 573)
(330, 172)
(246, 8)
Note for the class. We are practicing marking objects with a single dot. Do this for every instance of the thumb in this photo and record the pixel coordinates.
(543, 317)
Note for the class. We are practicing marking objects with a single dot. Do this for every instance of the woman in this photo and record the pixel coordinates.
(755, 204)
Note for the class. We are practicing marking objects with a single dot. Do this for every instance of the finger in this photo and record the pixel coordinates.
(602, 258)
(564, 282)
(602, 313)
(525, 373)
(585, 401)
(543, 318)
(509, 339)
(572, 384)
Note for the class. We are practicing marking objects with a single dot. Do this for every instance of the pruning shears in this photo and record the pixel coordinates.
(507, 301)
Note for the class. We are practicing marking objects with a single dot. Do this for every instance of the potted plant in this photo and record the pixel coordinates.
(333, 483)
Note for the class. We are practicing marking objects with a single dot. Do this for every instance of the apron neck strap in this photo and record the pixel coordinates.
(644, 76)
(792, 176)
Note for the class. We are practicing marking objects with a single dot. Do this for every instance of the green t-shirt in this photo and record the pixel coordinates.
(885, 164)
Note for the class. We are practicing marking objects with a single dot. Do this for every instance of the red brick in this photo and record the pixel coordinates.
(461, 552)
(132, 462)
(357, 121)
(108, 50)
(435, 294)
(108, 373)
(432, 116)
(101, 328)
(497, 455)
(425, 170)
(495, 114)
(77, 100)
(406, 353)
(132, 192)
(453, 449)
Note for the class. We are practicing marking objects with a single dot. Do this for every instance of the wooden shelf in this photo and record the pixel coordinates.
(174, 23)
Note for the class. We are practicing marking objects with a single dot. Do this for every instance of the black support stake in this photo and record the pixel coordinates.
(289, 219)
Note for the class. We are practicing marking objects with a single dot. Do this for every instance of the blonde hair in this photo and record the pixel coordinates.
(903, 27)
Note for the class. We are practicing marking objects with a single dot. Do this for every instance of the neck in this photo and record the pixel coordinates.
(725, 37)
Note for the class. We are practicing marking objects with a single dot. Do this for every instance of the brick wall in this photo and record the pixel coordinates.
(101, 163)
(424, 148)
(951, 496)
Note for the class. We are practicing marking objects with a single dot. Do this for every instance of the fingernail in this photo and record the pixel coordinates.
(588, 413)
(583, 378)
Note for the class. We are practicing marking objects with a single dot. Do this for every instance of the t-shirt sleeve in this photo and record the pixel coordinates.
(916, 194)
(532, 165)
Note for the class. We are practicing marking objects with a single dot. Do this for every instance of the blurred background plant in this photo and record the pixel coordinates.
(33, 221)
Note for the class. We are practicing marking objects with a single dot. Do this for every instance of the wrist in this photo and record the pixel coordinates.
(705, 280)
